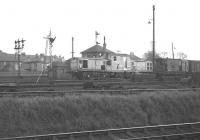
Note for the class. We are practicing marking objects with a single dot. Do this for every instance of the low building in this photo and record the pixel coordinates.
(28, 63)
(8, 62)
(99, 57)
(38, 63)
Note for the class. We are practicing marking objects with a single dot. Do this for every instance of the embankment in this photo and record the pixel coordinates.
(42, 115)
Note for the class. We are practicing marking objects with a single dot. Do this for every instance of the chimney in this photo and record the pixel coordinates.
(104, 43)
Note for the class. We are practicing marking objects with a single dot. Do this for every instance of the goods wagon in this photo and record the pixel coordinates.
(194, 66)
(100, 68)
(177, 65)
(161, 65)
(171, 65)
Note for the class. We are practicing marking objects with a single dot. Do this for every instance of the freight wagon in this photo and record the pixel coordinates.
(171, 65)
(194, 66)
(101, 68)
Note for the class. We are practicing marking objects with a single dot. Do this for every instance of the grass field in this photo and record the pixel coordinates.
(42, 115)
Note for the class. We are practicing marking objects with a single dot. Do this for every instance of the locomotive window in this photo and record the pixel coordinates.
(85, 64)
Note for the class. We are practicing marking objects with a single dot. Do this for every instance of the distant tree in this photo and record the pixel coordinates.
(181, 55)
(36, 55)
(41, 55)
(149, 55)
(23, 54)
(133, 56)
(163, 54)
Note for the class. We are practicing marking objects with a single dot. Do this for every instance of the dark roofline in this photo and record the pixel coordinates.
(102, 49)
(121, 54)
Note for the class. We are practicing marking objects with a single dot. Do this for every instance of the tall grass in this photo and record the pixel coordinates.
(42, 115)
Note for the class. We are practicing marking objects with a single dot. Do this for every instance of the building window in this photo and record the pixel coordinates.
(115, 58)
(108, 62)
(149, 66)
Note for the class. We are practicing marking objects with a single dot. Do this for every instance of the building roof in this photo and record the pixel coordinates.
(7, 57)
(96, 48)
(121, 54)
(134, 57)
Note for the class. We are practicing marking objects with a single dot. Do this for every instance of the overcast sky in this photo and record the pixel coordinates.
(123, 22)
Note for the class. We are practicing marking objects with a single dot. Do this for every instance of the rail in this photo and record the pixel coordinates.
(68, 92)
(184, 136)
(183, 130)
(72, 85)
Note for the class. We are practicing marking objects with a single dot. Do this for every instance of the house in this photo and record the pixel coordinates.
(8, 62)
(28, 63)
(37, 63)
(34, 64)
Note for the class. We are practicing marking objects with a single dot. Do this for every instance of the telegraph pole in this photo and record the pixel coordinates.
(172, 50)
(19, 45)
(72, 47)
(153, 38)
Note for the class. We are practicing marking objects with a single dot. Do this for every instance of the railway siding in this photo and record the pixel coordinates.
(163, 132)
(63, 93)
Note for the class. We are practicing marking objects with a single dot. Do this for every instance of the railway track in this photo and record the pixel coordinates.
(184, 131)
(91, 84)
(69, 92)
